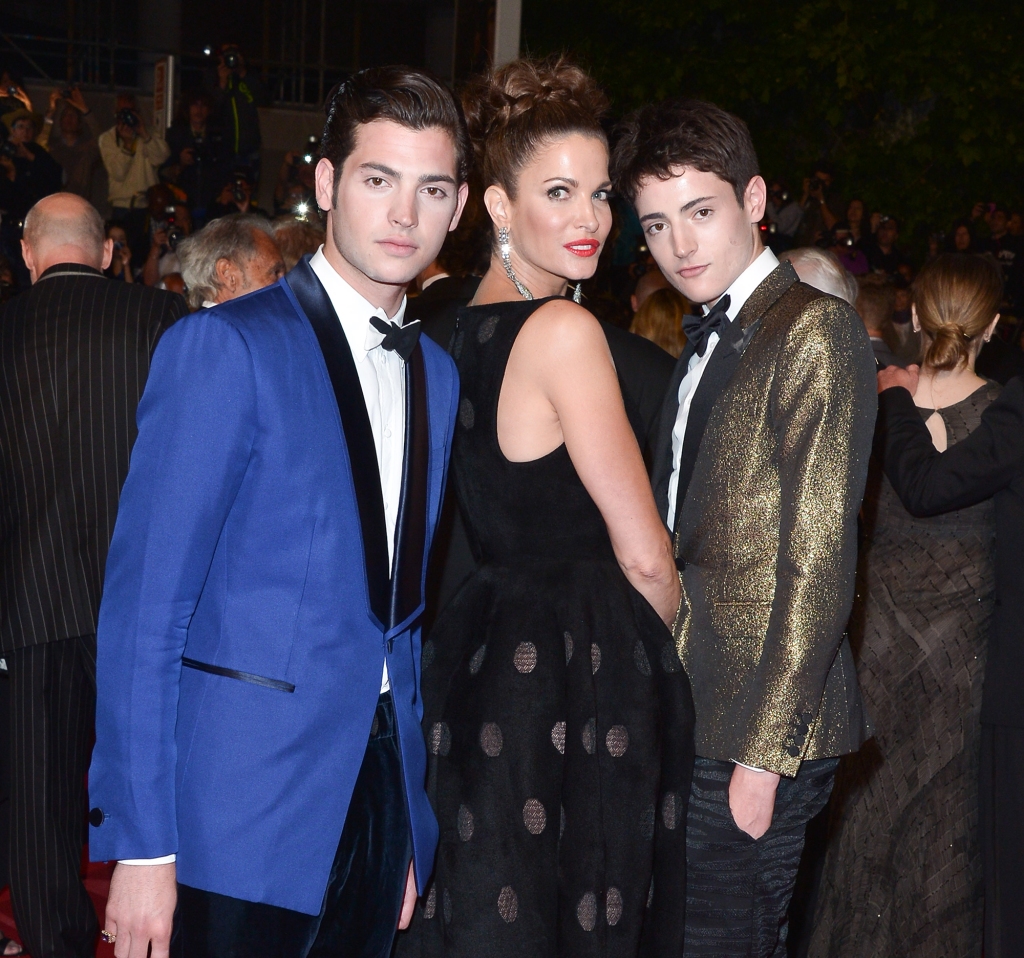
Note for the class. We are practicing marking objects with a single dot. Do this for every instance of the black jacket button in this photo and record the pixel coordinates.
(96, 817)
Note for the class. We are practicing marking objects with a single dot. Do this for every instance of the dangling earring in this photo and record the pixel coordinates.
(577, 293)
(506, 258)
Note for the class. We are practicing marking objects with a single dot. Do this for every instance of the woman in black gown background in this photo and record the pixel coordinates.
(558, 717)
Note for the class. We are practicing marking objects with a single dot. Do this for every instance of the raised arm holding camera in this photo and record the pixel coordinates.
(237, 92)
(132, 155)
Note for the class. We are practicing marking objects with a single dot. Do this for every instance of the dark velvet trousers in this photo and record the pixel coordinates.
(52, 708)
(1001, 822)
(738, 888)
(363, 899)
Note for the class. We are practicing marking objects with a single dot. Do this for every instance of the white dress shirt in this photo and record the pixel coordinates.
(382, 377)
(738, 293)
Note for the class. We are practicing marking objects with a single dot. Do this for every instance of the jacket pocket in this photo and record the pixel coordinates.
(249, 677)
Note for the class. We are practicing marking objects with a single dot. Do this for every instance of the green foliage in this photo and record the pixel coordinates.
(915, 103)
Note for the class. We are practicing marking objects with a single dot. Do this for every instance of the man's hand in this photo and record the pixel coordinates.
(752, 799)
(894, 376)
(78, 101)
(140, 909)
(409, 902)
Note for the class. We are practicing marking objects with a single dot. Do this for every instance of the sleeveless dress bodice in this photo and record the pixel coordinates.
(514, 510)
(558, 716)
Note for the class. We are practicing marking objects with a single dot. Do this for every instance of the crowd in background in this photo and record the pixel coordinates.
(181, 213)
(155, 189)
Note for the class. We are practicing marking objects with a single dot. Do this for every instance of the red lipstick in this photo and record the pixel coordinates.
(585, 247)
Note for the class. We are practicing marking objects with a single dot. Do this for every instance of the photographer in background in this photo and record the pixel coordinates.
(169, 224)
(235, 196)
(881, 250)
(197, 156)
(70, 134)
(236, 95)
(132, 155)
(12, 93)
(822, 206)
(785, 214)
(120, 267)
(27, 174)
(294, 190)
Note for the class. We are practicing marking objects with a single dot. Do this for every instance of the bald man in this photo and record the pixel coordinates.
(74, 355)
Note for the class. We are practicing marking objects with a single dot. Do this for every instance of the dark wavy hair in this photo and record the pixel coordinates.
(658, 139)
(514, 110)
(404, 95)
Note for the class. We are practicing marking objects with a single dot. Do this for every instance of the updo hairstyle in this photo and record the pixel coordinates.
(956, 296)
(515, 110)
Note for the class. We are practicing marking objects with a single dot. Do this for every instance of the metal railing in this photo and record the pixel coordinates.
(107, 63)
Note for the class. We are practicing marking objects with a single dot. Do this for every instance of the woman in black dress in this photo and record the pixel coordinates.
(903, 875)
(558, 716)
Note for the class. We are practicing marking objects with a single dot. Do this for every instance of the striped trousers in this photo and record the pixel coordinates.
(738, 889)
(52, 710)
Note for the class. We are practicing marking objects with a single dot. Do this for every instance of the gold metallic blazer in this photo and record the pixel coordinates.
(768, 533)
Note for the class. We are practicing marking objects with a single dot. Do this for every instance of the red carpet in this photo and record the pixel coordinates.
(97, 881)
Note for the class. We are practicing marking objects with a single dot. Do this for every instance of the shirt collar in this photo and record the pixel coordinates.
(744, 285)
(354, 311)
(433, 279)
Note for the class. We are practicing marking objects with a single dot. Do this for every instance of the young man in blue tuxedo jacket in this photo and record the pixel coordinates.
(259, 765)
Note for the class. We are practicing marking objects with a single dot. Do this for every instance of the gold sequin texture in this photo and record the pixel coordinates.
(770, 541)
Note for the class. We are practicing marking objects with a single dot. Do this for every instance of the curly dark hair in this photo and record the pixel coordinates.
(658, 139)
(404, 95)
(516, 108)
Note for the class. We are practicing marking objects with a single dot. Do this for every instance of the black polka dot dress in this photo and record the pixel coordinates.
(558, 717)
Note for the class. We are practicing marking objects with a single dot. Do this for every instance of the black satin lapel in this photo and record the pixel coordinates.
(355, 426)
(717, 374)
(661, 470)
(411, 530)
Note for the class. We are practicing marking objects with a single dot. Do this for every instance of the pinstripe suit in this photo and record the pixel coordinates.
(74, 356)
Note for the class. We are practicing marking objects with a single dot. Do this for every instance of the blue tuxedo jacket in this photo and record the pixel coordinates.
(248, 607)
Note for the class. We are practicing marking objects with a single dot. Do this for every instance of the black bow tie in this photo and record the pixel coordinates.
(698, 329)
(402, 339)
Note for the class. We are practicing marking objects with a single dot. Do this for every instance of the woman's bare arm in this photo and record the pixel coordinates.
(560, 385)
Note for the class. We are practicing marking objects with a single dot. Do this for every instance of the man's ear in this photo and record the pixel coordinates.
(324, 180)
(108, 253)
(498, 206)
(755, 197)
(460, 206)
(30, 260)
(915, 322)
(229, 277)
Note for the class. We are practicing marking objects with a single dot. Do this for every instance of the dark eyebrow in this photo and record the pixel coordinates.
(693, 203)
(381, 168)
(437, 178)
(564, 179)
(683, 209)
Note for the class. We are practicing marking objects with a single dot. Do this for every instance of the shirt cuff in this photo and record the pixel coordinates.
(165, 860)
(752, 768)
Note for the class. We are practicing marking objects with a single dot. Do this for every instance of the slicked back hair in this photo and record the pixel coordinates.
(406, 96)
(660, 138)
